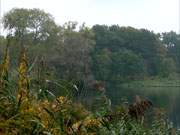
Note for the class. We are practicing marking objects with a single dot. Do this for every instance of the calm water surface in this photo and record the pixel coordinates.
(163, 97)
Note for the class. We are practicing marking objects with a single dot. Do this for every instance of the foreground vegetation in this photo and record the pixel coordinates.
(23, 112)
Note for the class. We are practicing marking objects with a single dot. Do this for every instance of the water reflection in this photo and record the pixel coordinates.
(163, 97)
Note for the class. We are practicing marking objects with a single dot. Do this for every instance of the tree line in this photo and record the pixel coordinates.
(99, 57)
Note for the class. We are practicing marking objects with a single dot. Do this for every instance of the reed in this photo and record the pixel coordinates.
(26, 115)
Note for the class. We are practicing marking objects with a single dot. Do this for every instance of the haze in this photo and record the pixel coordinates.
(156, 15)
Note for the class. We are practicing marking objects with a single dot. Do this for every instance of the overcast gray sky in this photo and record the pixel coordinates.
(156, 15)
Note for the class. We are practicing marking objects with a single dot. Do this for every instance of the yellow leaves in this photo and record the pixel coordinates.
(24, 82)
(62, 100)
(88, 123)
(77, 125)
(6, 62)
(45, 103)
(28, 109)
(92, 123)
(4, 67)
(58, 116)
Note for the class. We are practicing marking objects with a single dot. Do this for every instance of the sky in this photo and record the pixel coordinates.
(154, 15)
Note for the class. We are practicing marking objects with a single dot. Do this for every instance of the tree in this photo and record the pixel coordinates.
(172, 42)
(102, 63)
(2, 46)
(32, 28)
(140, 41)
(127, 65)
(31, 25)
(71, 56)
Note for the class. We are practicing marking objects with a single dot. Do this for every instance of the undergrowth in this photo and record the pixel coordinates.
(23, 112)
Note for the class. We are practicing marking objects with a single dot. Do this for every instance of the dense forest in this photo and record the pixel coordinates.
(67, 73)
(101, 54)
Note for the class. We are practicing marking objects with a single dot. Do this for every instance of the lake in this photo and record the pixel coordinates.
(167, 97)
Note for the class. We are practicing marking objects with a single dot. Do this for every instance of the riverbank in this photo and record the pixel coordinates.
(163, 82)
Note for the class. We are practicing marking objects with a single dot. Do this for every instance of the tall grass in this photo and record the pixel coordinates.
(22, 113)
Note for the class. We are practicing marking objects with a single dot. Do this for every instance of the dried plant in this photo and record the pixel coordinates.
(139, 107)
(4, 67)
(62, 116)
(24, 82)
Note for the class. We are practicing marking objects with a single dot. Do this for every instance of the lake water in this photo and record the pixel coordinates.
(162, 97)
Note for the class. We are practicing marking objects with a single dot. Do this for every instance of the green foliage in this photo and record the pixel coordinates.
(172, 41)
(102, 63)
(68, 64)
(34, 23)
(127, 64)
(97, 53)
(141, 42)
(26, 114)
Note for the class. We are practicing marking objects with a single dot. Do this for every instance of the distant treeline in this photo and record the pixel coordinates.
(95, 56)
